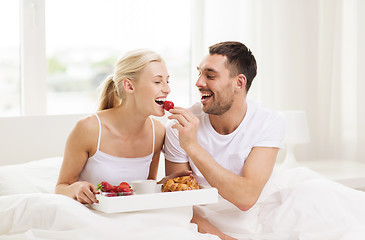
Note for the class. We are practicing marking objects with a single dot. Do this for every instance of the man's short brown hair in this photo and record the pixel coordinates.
(240, 59)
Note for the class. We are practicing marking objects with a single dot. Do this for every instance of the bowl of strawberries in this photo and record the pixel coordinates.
(109, 190)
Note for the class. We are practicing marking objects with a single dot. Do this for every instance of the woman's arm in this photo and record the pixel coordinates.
(75, 156)
(159, 139)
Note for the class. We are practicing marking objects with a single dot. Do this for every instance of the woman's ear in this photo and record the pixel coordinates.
(128, 85)
(241, 81)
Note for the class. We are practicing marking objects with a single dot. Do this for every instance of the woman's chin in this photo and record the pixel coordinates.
(159, 113)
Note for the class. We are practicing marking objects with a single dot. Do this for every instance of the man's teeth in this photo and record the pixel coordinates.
(206, 94)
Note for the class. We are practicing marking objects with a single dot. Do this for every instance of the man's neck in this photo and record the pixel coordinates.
(229, 121)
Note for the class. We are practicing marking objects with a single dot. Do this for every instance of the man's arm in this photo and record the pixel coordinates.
(172, 167)
(241, 190)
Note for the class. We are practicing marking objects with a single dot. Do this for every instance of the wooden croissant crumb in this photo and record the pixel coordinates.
(180, 184)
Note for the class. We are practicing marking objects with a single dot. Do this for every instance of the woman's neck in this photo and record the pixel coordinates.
(126, 119)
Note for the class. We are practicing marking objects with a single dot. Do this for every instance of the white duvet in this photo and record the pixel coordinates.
(51, 216)
(296, 204)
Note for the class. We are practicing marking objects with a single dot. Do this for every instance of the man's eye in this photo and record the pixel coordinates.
(210, 76)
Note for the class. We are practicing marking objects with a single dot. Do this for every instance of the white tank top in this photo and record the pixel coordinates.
(104, 167)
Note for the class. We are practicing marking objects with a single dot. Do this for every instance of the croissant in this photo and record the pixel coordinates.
(180, 184)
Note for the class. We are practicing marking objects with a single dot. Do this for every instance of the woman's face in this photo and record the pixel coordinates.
(152, 88)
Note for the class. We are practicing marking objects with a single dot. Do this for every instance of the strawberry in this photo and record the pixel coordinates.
(124, 184)
(105, 186)
(119, 189)
(167, 105)
(124, 188)
(130, 192)
(112, 194)
(126, 193)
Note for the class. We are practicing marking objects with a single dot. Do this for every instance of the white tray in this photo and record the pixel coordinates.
(155, 200)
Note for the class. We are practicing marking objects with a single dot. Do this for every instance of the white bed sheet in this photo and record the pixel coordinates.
(51, 216)
(295, 204)
(30, 210)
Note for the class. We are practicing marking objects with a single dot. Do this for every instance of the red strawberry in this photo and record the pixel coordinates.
(124, 186)
(127, 193)
(167, 105)
(130, 192)
(114, 189)
(112, 194)
(120, 189)
(105, 186)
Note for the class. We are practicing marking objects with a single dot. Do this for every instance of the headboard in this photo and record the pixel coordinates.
(27, 138)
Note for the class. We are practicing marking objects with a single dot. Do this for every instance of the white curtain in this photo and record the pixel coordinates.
(311, 56)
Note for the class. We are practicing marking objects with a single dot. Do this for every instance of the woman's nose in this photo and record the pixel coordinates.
(166, 89)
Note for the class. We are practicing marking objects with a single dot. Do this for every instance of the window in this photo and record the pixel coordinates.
(84, 38)
(55, 53)
(9, 58)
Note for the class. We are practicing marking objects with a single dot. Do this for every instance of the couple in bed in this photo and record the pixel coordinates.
(226, 140)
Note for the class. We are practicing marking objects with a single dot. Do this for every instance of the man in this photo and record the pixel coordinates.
(227, 141)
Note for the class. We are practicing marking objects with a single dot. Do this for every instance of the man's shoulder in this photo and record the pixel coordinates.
(260, 111)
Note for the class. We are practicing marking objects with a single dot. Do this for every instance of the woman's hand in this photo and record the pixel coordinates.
(85, 192)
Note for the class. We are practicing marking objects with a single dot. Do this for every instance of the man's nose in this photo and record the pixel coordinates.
(200, 82)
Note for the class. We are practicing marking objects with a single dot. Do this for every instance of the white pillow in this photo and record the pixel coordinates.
(39, 176)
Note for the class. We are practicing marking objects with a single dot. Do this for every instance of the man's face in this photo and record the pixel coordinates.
(215, 85)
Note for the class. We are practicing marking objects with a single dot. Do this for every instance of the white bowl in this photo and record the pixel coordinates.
(144, 186)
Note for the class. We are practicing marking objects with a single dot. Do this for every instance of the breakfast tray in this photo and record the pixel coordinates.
(155, 200)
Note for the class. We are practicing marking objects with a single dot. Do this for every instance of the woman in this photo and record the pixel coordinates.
(121, 142)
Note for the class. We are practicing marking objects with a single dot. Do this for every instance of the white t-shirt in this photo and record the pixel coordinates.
(261, 127)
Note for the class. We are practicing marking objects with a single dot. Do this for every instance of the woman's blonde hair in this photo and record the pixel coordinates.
(129, 66)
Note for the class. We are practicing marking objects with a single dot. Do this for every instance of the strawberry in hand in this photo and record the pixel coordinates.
(167, 105)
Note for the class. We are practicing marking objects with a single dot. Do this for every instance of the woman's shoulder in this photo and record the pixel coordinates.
(159, 131)
(159, 127)
(87, 125)
(84, 134)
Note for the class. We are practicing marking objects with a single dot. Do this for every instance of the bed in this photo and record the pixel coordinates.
(295, 204)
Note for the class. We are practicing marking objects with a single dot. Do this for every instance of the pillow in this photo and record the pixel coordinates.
(38, 176)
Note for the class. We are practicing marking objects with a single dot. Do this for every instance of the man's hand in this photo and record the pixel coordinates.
(187, 125)
(175, 174)
(204, 226)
